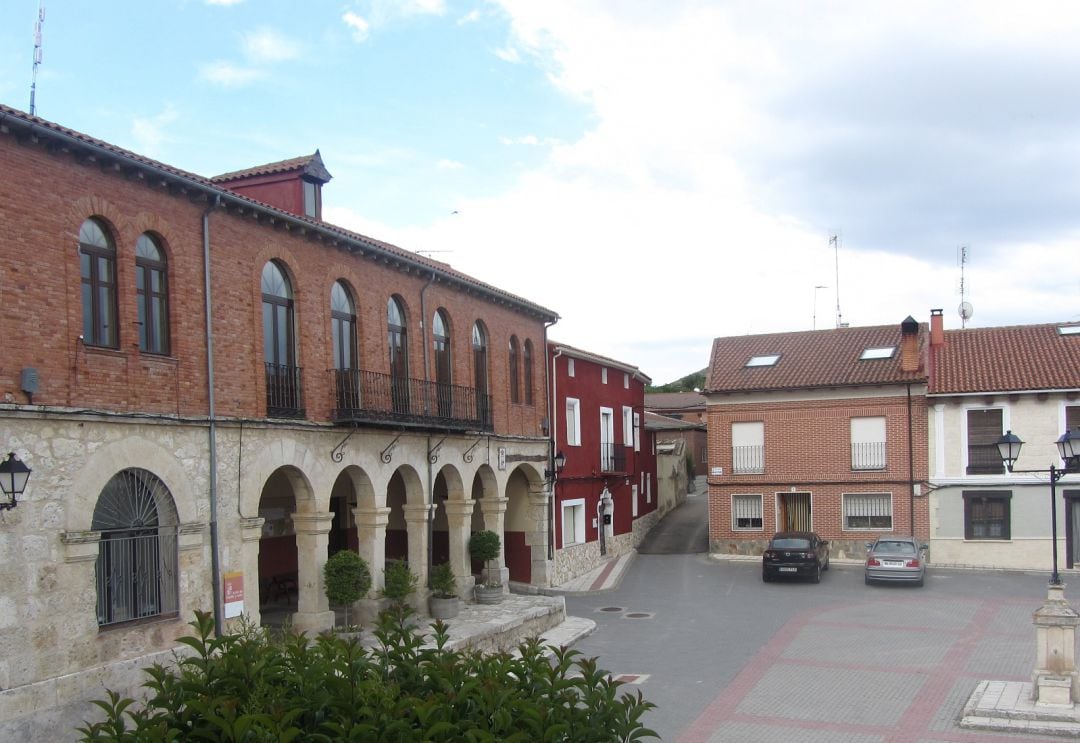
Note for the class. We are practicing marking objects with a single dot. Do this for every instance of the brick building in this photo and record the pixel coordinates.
(688, 407)
(215, 389)
(821, 430)
(596, 413)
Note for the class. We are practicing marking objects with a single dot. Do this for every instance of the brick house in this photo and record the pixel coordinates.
(215, 390)
(690, 408)
(596, 414)
(821, 430)
(984, 382)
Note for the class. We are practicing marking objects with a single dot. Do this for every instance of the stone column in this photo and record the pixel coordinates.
(1054, 680)
(459, 520)
(250, 534)
(312, 539)
(494, 510)
(417, 518)
(537, 536)
(371, 534)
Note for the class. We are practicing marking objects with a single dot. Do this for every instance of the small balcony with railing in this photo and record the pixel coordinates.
(868, 455)
(748, 460)
(612, 457)
(371, 397)
(284, 391)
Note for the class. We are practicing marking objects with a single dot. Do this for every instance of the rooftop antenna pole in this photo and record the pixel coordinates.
(966, 310)
(37, 53)
(834, 240)
(819, 286)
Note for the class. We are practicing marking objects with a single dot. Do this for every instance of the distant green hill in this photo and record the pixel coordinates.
(689, 383)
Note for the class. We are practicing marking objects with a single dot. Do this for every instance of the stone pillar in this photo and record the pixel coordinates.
(459, 520)
(1054, 680)
(371, 534)
(417, 518)
(494, 510)
(537, 537)
(312, 539)
(250, 534)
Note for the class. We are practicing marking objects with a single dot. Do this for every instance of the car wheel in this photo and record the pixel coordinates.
(765, 577)
(826, 563)
(866, 579)
(817, 573)
(919, 582)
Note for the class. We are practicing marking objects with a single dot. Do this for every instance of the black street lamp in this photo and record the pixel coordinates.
(13, 477)
(1069, 450)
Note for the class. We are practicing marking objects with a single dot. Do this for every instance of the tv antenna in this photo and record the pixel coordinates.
(965, 309)
(37, 53)
(818, 286)
(834, 240)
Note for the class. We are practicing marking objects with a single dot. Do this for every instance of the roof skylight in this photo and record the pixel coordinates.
(763, 360)
(1069, 329)
(882, 352)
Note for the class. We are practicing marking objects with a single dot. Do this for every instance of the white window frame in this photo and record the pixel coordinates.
(626, 381)
(607, 436)
(569, 367)
(648, 487)
(573, 421)
(628, 425)
(637, 431)
(845, 498)
(579, 521)
(868, 431)
(747, 434)
(633, 501)
(749, 511)
(603, 374)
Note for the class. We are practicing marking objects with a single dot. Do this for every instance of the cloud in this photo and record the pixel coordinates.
(422, 7)
(149, 132)
(223, 2)
(267, 46)
(472, 16)
(360, 28)
(508, 54)
(530, 140)
(449, 165)
(229, 75)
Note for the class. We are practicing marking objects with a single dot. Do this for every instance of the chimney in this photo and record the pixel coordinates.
(909, 345)
(937, 329)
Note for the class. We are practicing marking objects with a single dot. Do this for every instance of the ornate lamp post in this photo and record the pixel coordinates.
(13, 477)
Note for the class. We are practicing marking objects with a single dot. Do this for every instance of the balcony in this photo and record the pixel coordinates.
(612, 457)
(868, 456)
(748, 460)
(370, 397)
(284, 391)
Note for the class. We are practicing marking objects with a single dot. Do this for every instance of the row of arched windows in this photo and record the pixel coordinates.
(97, 258)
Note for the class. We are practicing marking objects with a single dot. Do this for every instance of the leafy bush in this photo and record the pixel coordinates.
(346, 578)
(398, 580)
(484, 545)
(443, 582)
(251, 686)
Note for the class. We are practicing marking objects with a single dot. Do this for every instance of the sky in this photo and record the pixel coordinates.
(657, 172)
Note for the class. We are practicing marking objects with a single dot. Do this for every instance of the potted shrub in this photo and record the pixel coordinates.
(485, 546)
(398, 581)
(346, 579)
(444, 602)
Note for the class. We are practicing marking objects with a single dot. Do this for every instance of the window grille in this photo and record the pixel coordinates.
(868, 511)
(746, 511)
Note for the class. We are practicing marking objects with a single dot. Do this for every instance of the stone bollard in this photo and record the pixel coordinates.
(1054, 681)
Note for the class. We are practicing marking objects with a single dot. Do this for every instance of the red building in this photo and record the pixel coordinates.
(605, 496)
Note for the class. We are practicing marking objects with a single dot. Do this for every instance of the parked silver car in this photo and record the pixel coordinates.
(900, 559)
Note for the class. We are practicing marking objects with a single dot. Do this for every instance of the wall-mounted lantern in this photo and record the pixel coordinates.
(13, 477)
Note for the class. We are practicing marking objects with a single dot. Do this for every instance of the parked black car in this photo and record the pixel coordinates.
(795, 553)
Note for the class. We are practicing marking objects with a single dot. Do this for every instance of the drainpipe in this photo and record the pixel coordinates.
(551, 385)
(427, 411)
(911, 461)
(215, 563)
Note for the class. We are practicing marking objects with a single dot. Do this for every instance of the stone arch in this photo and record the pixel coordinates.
(132, 451)
(312, 495)
(520, 531)
(447, 494)
(484, 485)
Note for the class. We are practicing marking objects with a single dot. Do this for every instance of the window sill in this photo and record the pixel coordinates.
(132, 623)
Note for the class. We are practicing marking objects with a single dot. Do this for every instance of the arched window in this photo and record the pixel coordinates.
(397, 342)
(515, 372)
(343, 339)
(480, 372)
(152, 295)
(527, 362)
(440, 332)
(97, 258)
(136, 573)
(279, 349)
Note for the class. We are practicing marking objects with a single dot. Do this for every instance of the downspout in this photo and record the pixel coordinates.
(427, 411)
(911, 461)
(215, 563)
(551, 385)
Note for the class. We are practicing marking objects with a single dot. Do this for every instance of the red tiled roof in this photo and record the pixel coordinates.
(809, 359)
(657, 422)
(598, 359)
(9, 116)
(674, 400)
(304, 162)
(1006, 359)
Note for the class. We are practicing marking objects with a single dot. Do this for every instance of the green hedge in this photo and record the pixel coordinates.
(250, 686)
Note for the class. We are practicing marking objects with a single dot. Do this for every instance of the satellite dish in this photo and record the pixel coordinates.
(966, 310)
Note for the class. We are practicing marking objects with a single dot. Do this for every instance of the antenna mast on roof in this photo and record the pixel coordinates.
(37, 53)
(834, 240)
(965, 309)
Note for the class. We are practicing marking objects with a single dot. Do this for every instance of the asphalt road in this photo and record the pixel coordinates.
(727, 657)
(684, 530)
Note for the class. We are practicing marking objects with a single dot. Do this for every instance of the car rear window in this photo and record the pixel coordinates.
(791, 543)
(896, 548)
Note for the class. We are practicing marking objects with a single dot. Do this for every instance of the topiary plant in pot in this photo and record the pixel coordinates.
(444, 602)
(398, 581)
(346, 579)
(486, 546)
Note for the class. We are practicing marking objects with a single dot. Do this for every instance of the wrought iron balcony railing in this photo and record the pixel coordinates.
(748, 460)
(868, 456)
(370, 397)
(612, 457)
(284, 391)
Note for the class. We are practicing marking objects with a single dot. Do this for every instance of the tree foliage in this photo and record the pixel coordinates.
(253, 687)
(347, 578)
(690, 383)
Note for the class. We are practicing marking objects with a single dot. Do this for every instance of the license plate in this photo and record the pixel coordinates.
(893, 563)
(788, 570)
